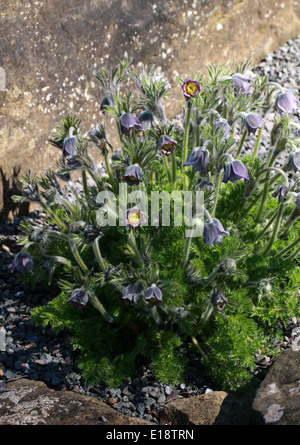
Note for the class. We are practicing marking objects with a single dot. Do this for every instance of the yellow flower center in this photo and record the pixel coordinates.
(192, 88)
(168, 147)
(134, 217)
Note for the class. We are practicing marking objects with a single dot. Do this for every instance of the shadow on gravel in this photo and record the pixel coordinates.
(10, 188)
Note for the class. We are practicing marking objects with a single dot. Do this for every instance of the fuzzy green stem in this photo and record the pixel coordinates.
(98, 255)
(257, 142)
(288, 248)
(167, 167)
(52, 214)
(275, 231)
(99, 306)
(186, 142)
(110, 174)
(174, 170)
(218, 183)
(293, 255)
(261, 234)
(197, 134)
(241, 144)
(76, 254)
(84, 183)
(135, 248)
(194, 340)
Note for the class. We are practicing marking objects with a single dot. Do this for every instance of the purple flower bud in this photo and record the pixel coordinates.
(153, 296)
(234, 171)
(22, 262)
(285, 103)
(281, 192)
(294, 161)
(146, 119)
(132, 293)
(206, 185)
(167, 145)
(133, 175)
(96, 136)
(223, 125)
(219, 301)
(199, 159)
(106, 101)
(69, 146)
(135, 217)
(79, 298)
(252, 122)
(128, 122)
(242, 83)
(191, 88)
(213, 232)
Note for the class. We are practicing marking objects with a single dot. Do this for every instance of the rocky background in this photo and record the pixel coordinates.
(49, 51)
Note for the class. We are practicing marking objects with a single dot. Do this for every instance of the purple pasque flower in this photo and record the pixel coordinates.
(225, 127)
(146, 119)
(79, 298)
(252, 122)
(242, 84)
(135, 217)
(22, 262)
(191, 88)
(132, 293)
(294, 161)
(133, 175)
(219, 301)
(199, 159)
(153, 296)
(128, 122)
(281, 192)
(167, 145)
(69, 145)
(234, 171)
(285, 103)
(213, 232)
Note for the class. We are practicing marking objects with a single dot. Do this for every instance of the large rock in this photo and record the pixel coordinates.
(26, 402)
(50, 49)
(277, 401)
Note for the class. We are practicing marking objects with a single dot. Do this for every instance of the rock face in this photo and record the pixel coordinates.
(26, 402)
(277, 401)
(50, 49)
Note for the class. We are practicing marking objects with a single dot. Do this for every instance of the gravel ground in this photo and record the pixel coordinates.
(39, 354)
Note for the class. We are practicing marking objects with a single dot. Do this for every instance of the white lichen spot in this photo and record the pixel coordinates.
(219, 26)
(274, 413)
(273, 389)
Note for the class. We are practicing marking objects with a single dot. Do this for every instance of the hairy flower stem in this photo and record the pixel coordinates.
(261, 234)
(197, 134)
(96, 303)
(241, 144)
(110, 174)
(135, 248)
(98, 255)
(293, 255)
(257, 142)
(174, 170)
(186, 142)
(52, 214)
(275, 230)
(84, 183)
(194, 340)
(76, 254)
(218, 182)
(167, 167)
(288, 225)
(288, 248)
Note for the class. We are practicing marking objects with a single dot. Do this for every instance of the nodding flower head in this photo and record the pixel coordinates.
(252, 122)
(285, 103)
(79, 298)
(128, 122)
(219, 301)
(96, 136)
(213, 232)
(22, 262)
(70, 144)
(132, 293)
(133, 175)
(106, 101)
(294, 161)
(199, 159)
(167, 145)
(191, 88)
(281, 193)
(234, 171)
(135, 217)
(146, 119)
(242, 84)
(153, 295)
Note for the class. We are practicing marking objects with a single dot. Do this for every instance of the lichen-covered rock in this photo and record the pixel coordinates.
(26, 402)
(50, 50)
(277, 401)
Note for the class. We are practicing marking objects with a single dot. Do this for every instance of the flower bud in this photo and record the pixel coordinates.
(219, 301)
(285, 103)
(199, 159)
(146, 119)
(153, 296)
(132, 293)
(294, 161)
(253, 122)
(228, 266)
(242, 84)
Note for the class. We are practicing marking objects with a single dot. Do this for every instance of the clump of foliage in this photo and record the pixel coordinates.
(223, 282)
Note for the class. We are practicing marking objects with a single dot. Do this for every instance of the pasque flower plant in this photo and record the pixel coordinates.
(134, 292)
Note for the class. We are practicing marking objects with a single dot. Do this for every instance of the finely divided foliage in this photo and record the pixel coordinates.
(134, 292)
